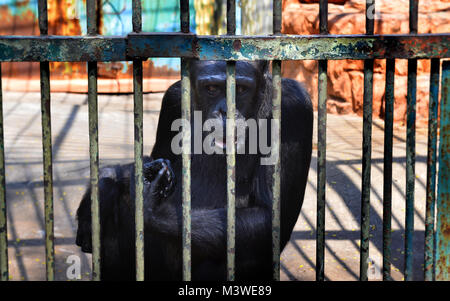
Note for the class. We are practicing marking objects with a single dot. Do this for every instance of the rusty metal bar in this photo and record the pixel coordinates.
(4, 273)
(47, 150)
(410, 147)
(387, 175)
(292, 47)
(184, 16)
(186, 148)
(231, 149)
(321, 149)
(231, 169)
(92, 29)
(429, 268)
(275, 150)
(186, 171)
(367, 149)
(138, 147)
(443, 196)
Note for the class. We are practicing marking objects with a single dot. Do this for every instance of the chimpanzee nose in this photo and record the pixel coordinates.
(221, 109)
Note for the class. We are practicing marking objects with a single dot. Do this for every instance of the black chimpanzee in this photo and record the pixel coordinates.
(162, 185)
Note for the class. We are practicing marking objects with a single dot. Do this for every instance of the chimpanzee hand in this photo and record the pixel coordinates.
(159, 180)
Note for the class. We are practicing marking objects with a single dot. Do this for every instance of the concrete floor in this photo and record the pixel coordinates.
(71, 172)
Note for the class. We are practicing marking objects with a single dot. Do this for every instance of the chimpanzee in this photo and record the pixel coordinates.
(163, 186)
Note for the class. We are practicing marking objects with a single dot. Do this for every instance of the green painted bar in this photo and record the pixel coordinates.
(277, 5)
(92, 29)
(138, 157)
(387, 169)
(138, 148)
(186, 171)
(94, 169)
(410, 146)
(47, 150)
(321, 149)
(410, 166)
(231, 147)
(367, 149)
(231, 17)
(292, 47)
(4, 274)
(366, 166)
(184, 16)
(429, 268)
(48, 170)
(231, 169)
(321, 168)
(186, 147)
(137, 15)
(276, 115)
(443, 196)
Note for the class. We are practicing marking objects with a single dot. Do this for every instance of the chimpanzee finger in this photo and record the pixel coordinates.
(156, 184)
(151, 169)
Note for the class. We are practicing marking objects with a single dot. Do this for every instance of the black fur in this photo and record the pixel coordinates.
(163, 216)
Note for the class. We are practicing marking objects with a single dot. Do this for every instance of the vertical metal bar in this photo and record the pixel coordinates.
(410, 147)
(443, 198)
(321, 149)
(184, 16)
(47, 150)
(231, 166)
(367, 149)
(431, 170)
(138, 148)
(3, 220)
(186, 147)
(387, 179)
(231, 17)
(231, 150)
(92, 29)
(277, 4)
(276, 115)
(186, 181)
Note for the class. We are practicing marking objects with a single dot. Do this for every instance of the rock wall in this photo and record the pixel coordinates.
(345, 77)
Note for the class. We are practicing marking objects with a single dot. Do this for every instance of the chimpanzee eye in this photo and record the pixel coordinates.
(212, 89)
(241, 89)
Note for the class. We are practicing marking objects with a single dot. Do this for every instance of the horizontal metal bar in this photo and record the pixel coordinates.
(63, 48)
(293, 47)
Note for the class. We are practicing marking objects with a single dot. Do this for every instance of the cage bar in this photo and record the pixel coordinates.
(275, 150)
(4, 273)
(138, 147)
(410, 166)
(47, 150)
(231, 149)
(410, 146)
(186, 170)
(92, 29)
(231, 168)
(431, 170)
(443, 196)
(366, 148)
(387, 169)
(321, 149)
(186, 148)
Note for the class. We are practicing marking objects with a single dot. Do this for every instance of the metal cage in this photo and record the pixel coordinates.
(138, 46)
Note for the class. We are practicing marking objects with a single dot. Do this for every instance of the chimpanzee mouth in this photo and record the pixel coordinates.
(221, 143)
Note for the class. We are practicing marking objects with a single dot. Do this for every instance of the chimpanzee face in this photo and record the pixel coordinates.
(209, 85)
(208, 82)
